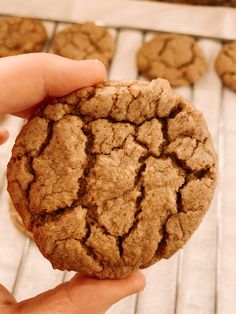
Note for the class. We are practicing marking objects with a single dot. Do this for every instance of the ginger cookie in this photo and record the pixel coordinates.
(176, 58)
(85, 41)
(226, 65)
(21, 35)
(113, 178)
(17, 220)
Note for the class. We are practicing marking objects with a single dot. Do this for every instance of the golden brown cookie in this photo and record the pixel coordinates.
(21, 35)
(84, 41)
(176, 58)
(226, 65)
(113, 178)
(17, 220)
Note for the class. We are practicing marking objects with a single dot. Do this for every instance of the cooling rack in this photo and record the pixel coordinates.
(201, 278)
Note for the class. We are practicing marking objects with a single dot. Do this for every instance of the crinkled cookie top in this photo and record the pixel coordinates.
(226, 64)
(176, 58)
(114, 177)
(84, 41)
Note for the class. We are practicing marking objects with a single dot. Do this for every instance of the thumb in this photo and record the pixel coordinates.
(105, 292)
(83, 295)
(26, 80)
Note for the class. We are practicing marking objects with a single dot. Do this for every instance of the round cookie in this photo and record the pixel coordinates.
(176, 58)
(84, 41)
(226, 65)
(21, 35)
(113, 178)
(17, 220)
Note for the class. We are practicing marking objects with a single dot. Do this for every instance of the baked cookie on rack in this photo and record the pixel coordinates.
(84, 41)
(176, 58)
(113, 178)
(21, 35)
(226, 65)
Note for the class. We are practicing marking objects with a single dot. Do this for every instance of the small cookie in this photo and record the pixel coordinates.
(176, 58)
(84, 41)
(17, 220)
(112, 178)
(21, 35)
(226, 65)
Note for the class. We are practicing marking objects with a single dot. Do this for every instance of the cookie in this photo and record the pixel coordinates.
(17, 220)
(113, 178)
(226, 65)
(21, 35)
(84, 41)
(176, 58)
(204, 2)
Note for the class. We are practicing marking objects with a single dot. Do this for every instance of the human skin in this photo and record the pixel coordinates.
(26, 81)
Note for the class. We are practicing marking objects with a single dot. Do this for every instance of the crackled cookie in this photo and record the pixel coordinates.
(21, 35)
(17, 220)
(85, 41)
(226, 65)
(176, 58)
(112, 178)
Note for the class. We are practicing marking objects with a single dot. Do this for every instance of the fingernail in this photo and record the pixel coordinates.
(94, 61)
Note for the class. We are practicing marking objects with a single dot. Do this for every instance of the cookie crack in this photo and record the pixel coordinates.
(47, 140)
(139, 209)
(40, 152)
(164, 46)
(91, 159)
(191, 61)
(229, 55)
(89, 251)
(42, 218)
(166, 140)
(231, 73)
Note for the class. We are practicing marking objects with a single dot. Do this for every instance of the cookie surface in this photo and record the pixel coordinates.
(17, 220)
(113, 178)
(226, 65)
(21, 35)
(84, 41)
(176, 58)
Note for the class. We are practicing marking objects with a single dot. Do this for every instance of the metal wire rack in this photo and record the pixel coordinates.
(199, 279)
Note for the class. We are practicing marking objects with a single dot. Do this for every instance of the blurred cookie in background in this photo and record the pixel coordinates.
(176, 58)
(85, 41)
(226, 65)
(21, 35)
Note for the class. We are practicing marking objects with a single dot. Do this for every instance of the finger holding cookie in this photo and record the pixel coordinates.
(33, 77)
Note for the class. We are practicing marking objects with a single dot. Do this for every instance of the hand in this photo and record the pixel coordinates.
(78, 296)
(26, 81)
